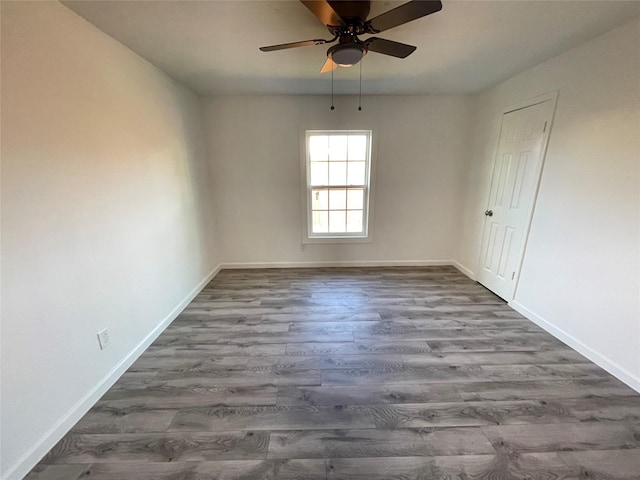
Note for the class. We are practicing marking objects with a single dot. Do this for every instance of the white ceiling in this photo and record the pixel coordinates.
(212, 46)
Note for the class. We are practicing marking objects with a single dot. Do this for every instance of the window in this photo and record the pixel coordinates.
(338, 165)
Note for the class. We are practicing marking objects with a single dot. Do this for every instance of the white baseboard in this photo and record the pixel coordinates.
(467, 271)
(62, 426)
(597, 358)
(346, 263)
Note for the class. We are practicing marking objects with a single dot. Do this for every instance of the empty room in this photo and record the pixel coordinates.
(320, 240)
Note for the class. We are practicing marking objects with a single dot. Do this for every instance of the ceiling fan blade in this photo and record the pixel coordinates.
(304, 43)
(328, 66)
(325, 12)
(403, 14)
(388, 47)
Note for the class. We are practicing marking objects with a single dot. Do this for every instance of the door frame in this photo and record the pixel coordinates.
(551, 96)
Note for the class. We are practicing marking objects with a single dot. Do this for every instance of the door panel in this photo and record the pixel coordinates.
(517, 189)
(516, 173)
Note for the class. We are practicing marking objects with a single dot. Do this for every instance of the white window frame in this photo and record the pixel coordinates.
(366, 236)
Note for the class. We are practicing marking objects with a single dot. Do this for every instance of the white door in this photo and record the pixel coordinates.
(516, 173)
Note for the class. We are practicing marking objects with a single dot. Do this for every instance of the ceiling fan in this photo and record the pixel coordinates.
(346, 20)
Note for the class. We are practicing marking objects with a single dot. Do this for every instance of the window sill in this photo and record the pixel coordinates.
(337, 239)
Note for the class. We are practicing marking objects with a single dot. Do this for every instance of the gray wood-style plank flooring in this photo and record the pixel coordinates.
(355, 373)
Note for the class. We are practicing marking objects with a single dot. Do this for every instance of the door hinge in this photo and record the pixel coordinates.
(544, 129)
(513, 275)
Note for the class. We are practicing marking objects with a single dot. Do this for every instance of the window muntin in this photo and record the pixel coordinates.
(338, 172)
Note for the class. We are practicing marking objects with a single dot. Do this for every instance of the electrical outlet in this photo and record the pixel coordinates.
(103, 338)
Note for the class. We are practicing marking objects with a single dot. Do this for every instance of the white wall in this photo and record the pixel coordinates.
(254, 144)
(581, 273)
(105, 217)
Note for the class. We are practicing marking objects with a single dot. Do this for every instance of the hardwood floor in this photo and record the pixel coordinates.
(378, 373)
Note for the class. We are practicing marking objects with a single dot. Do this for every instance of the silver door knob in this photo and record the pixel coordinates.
(488, 213)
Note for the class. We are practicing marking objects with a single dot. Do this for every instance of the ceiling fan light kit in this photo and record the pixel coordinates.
(346, 55)
(346, 20)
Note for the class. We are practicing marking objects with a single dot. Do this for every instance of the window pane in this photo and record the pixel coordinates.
(320, 200)
(356, 173)
(337, 173)
(337, 222)
(354, 221)
(338, 147)
(338, 199)
(355, 199)
(357, 147)
(320, 173)
(320, 222)
(319, 147)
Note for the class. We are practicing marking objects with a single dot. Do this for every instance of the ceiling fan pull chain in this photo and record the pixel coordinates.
(360, 95)
(332, 107)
